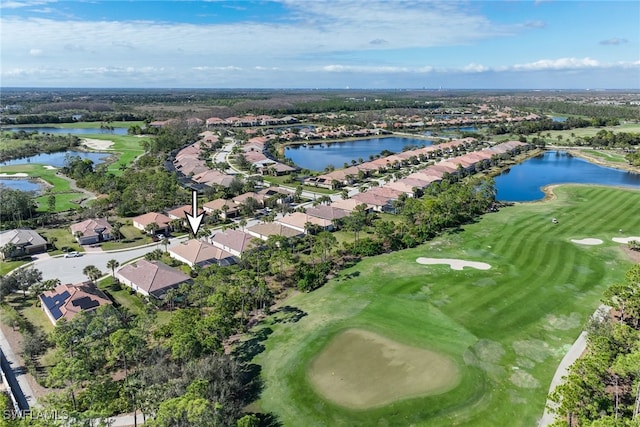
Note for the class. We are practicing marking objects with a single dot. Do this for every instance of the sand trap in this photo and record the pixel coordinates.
(360, 369)
(587, 241)
(49, 167)
(455, 264)
(13, 175)
(626, 239)
(97, 144)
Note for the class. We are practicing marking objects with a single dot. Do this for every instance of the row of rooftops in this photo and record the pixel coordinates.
(246, 121)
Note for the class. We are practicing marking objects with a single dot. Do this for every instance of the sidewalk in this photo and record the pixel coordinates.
(25, 394)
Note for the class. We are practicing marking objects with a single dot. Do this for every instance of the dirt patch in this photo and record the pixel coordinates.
(360, 369)
(455, 264)
(633, 255)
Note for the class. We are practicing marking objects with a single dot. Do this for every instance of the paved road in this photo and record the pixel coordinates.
(69, 270)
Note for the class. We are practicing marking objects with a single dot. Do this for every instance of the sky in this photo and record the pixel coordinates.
(363, 44)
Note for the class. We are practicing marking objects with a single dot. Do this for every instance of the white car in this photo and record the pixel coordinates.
(73, 254)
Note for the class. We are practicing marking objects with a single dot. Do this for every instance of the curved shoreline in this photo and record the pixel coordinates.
(601, 162)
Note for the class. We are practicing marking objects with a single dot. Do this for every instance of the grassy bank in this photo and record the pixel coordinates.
(66, 197)
(506, 328)
(129, 148)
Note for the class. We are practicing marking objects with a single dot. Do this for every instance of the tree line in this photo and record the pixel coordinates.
(602, 387)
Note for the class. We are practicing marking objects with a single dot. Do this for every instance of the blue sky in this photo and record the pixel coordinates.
(543, 44)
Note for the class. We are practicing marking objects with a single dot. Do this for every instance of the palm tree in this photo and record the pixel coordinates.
(326, 241)
(92, 272)
(165, 242)
(115, 231)
(112, 264)
(151, 228)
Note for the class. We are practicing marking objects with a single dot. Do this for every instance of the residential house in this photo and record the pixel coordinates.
(266, 229)
(25, 240)
(327, 212)
(91, 231)
(163, 222)
(66, 301)
(299, 220)
(197, 252)
(234, 241)
(151, 278)
(225, 208)
(179, 213)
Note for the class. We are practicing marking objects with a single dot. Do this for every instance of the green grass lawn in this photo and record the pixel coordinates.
(608, 155)
(63, 237)
(506, 328)
(122, 296)
(7, 266)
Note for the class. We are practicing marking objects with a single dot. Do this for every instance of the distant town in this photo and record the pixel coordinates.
(471, 234)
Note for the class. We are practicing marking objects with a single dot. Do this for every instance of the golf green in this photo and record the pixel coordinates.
(505, 328)
(361, 369)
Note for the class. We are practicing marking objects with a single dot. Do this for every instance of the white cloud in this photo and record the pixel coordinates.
(557, 64)
(35, 52)
(17, 4)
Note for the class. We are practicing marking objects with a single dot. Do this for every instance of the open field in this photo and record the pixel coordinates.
(505, 328)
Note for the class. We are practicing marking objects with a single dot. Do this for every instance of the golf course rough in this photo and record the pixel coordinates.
(360, 369)
(505, 328)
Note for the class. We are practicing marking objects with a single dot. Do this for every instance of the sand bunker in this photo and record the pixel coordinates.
(49, 167)
(97, 144)
(455, 264)
(360, 369)
(626, 239)
(13, 175)
(587, 241)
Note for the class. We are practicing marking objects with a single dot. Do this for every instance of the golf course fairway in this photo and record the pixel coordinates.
(495, 336)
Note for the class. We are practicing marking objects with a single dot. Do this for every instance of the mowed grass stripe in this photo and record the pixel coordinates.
(523, 312)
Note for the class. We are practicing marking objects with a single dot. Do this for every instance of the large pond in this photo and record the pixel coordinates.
(523, 182)
(72, 131)
(20, 184)
(56, 159)
(317, 157)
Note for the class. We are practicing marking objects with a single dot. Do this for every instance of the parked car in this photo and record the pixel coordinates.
(73, 254)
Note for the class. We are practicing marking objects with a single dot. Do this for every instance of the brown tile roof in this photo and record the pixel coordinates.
(66, 301)
(267, 229)
(152, 276)
(180, 210)
(299, 219)
(234, 241)
(327, 212)
(89, 227)
(197, 252)
(150, 217)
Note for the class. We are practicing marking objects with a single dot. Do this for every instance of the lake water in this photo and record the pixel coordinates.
(523, 182)
(317, 157)
(72, 131)
(57, 159)
(20, 184)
